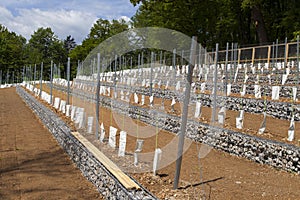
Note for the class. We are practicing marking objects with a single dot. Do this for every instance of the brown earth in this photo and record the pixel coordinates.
(32, 164)
(216, 176)
(276, 129)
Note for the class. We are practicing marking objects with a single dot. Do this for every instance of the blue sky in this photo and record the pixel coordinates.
(65, 17)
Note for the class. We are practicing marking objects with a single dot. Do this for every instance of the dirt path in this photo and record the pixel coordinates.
(32, 165)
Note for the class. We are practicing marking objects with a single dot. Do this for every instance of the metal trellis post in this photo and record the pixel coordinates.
(215, 85)
(68, 79)
(185, 111)
(41, 80)
(51, 81)
(98, 96)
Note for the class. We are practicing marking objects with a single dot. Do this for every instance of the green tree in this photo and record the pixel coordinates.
(11, 53)
(191, 17)
(100, 31)
(69, 44)
(242, 21)
(45, 46)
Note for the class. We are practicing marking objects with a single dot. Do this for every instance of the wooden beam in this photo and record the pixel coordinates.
(286, 53)
(269, 55)
(125, 180)
(239, 56)
(253, 55)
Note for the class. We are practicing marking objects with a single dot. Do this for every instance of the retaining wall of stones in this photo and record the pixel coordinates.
(277, 109)
(277, 154)
(91, 168)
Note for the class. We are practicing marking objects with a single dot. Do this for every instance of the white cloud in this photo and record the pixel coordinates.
(5, 14)
(125, 18)
(62, 22)
(67, 17)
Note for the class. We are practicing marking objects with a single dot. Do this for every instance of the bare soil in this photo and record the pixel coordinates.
(216, 176)
(276, 129)
(32, 164)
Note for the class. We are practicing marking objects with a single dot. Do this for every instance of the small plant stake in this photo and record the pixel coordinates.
(291, 130)
(262, 128)
(139, 143)
(240, 119)
(221, 115)
(157, 157)
(198, 109)
(163, 102)
(158, 151)
(112, 137)
(122, 140)
(90, 124)
(172, 105)
(151, 101)
(136, 98)
(122, 144)
(143, 100)
(102, 133)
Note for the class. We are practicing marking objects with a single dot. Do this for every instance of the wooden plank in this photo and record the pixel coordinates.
(125, 180)
(269, 55)
(239, 56)
(286, 54)
(253, 55)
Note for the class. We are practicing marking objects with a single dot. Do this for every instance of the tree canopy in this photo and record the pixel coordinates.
(100, 31)
(215, 21)
(12, 54)
(221, 21)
